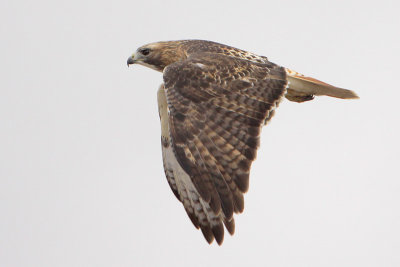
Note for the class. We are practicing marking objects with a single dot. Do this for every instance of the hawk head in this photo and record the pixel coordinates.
(157, 55)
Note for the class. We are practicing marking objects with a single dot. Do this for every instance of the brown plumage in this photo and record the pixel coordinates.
(212, 105)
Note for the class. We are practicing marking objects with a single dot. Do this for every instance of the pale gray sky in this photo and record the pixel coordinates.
(81, 178)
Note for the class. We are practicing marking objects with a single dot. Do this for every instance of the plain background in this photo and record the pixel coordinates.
(81, 178)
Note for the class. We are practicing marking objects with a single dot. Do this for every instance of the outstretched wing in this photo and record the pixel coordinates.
(216, 107)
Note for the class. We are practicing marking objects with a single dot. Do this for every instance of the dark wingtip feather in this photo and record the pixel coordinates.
(230, 226)
(239, 203)
(218, 232)
(207, 233)
(227, 207)
(242, 181)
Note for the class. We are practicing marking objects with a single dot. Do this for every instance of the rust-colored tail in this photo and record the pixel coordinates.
(302, 88)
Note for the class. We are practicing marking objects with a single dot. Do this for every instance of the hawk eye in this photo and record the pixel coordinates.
(145, 51)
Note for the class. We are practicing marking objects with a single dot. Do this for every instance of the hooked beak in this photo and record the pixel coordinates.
(131, 60)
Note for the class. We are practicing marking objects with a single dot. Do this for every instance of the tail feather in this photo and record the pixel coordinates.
(302, 87)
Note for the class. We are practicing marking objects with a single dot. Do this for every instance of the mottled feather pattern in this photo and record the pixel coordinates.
(199, 46)
(217, 105)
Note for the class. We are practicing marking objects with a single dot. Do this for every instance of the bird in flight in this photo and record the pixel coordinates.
(212, 103)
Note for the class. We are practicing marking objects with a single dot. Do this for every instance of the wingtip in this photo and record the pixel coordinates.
(230, 225)
(207, 233)
(218, 232)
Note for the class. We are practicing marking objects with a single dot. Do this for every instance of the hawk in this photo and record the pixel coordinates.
(212, 104)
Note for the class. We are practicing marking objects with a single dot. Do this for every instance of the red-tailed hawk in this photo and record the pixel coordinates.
(212, 105)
